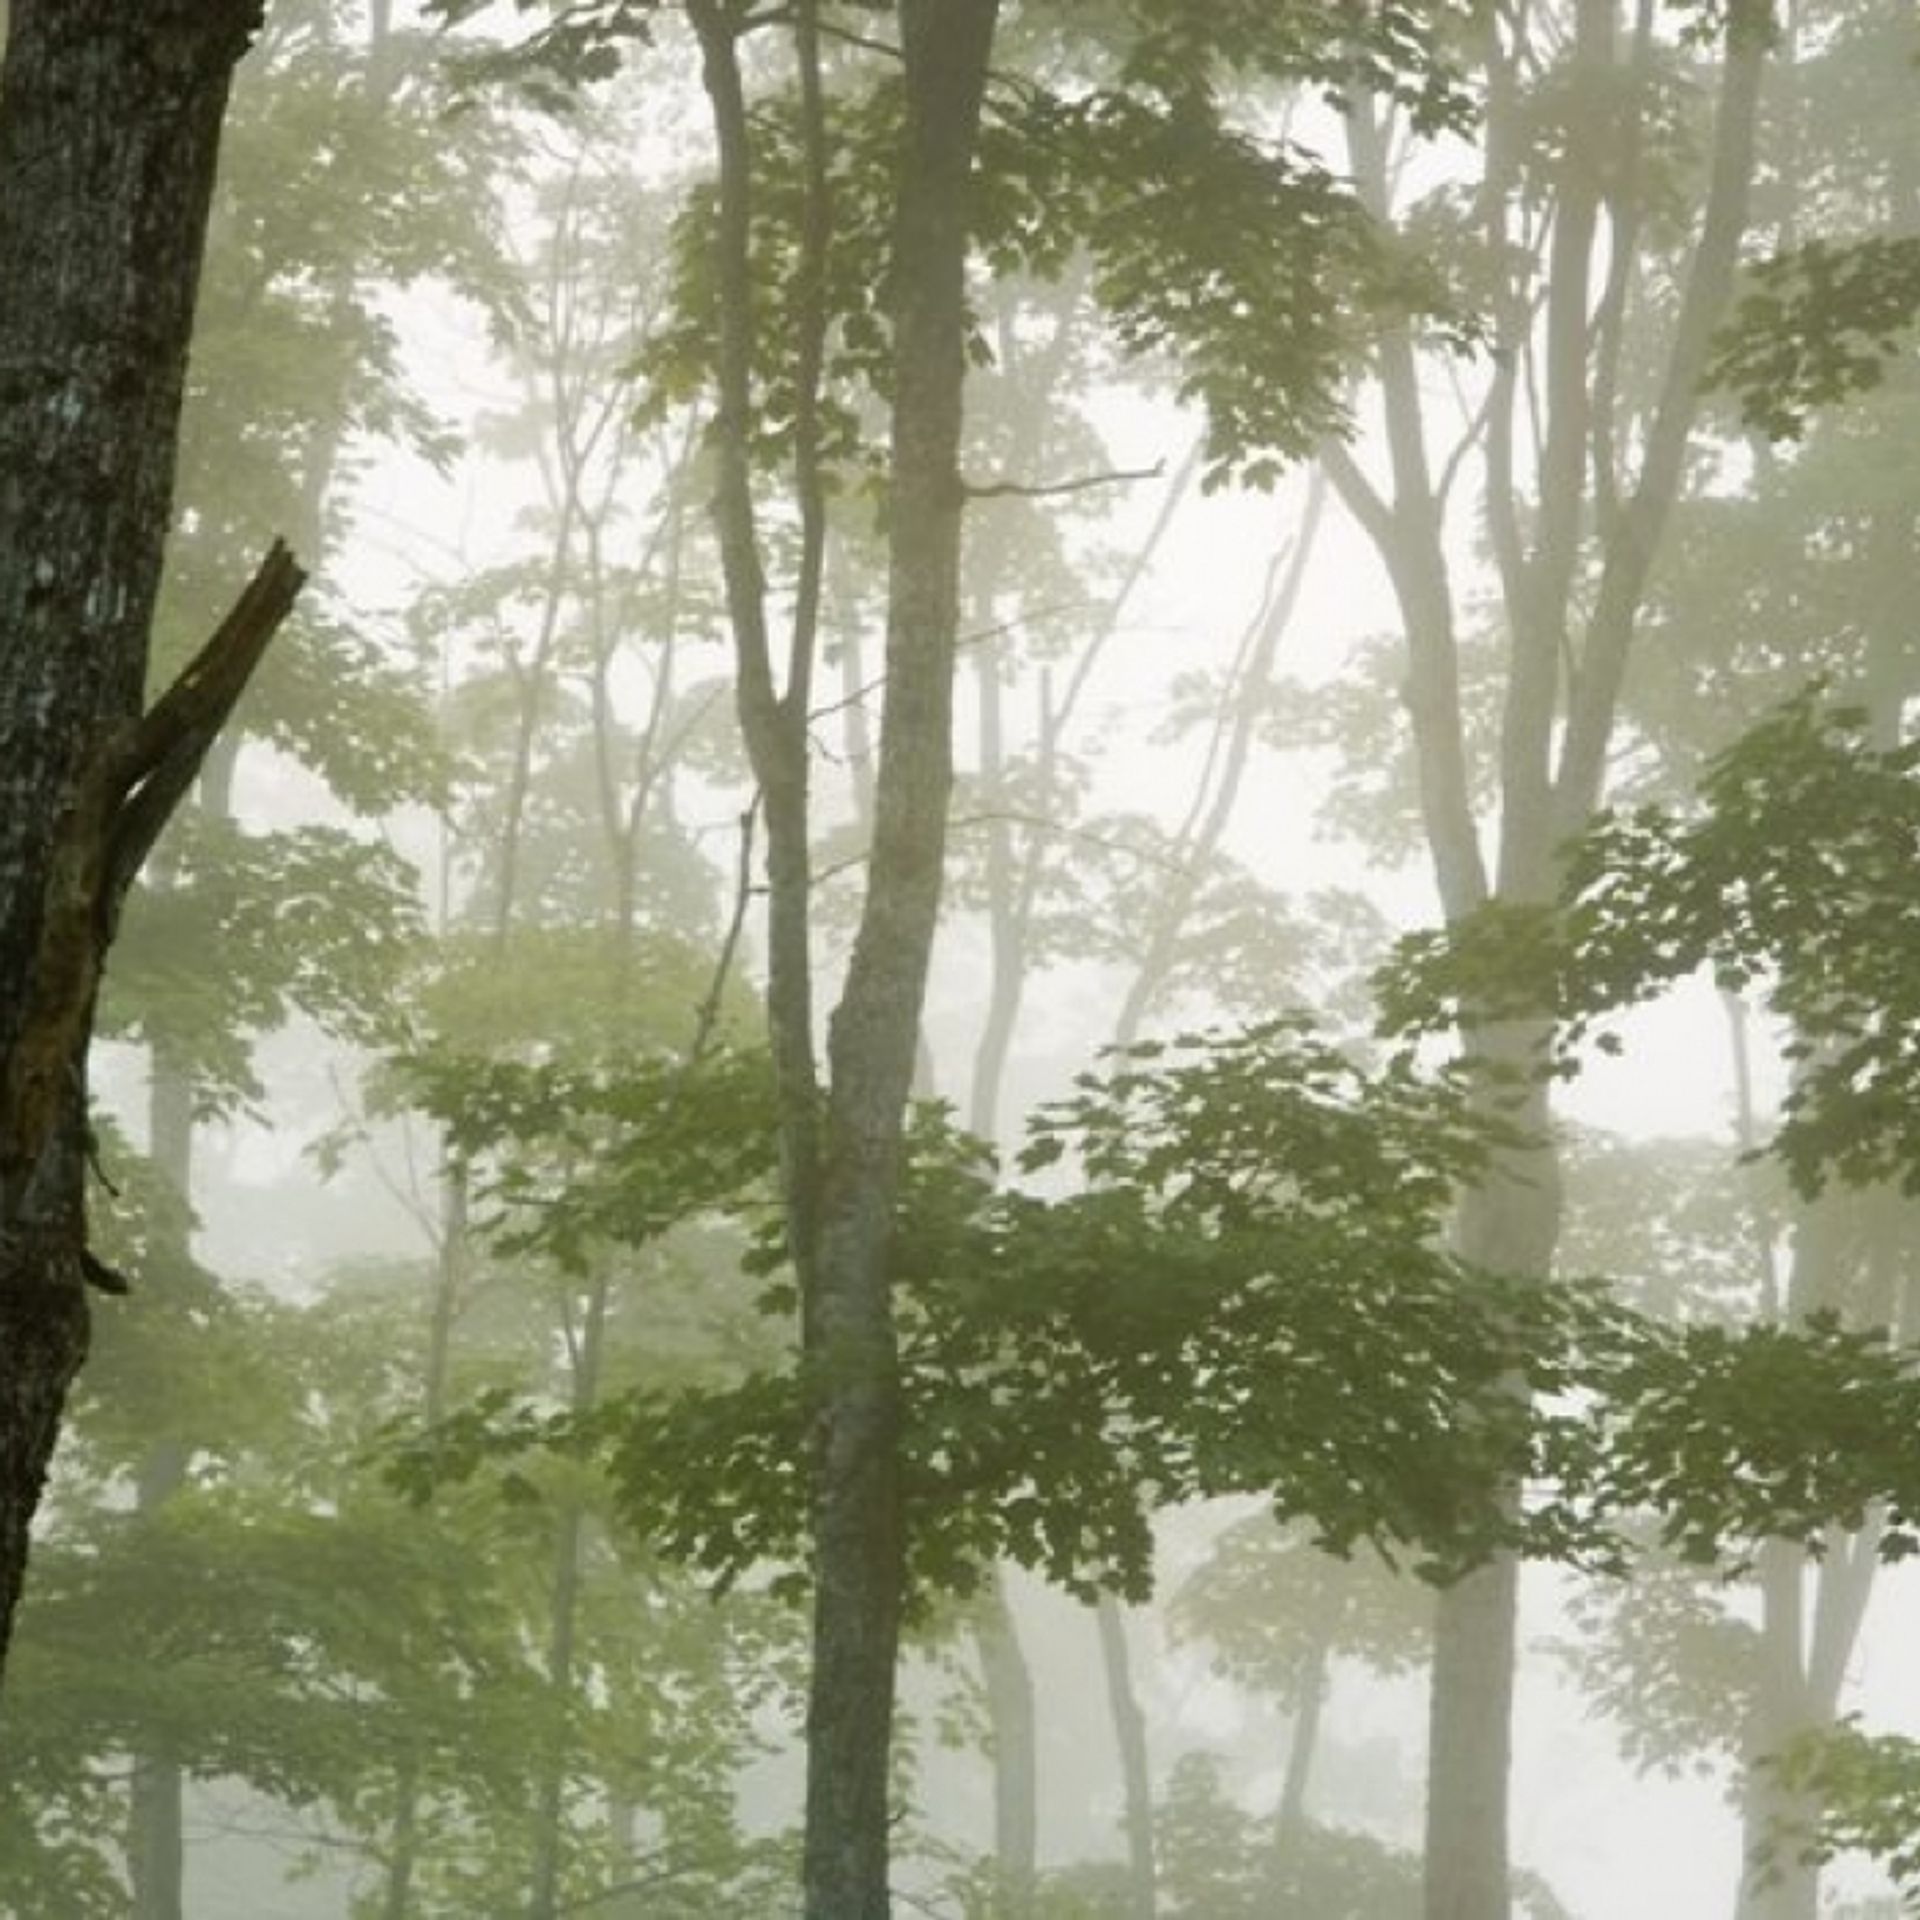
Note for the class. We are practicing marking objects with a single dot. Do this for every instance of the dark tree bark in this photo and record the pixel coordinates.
(110, 121)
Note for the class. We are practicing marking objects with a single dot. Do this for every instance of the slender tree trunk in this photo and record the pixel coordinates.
(549, 1832)
(1013, 1734)
(1802, 1669)
(156, 1826)
(1013, 888)
(1303, 1747)
(156, 1841)
(842, 1156)
(1136, 1773)
(1016, 1784)
(859, 1542)
(110, 123)
(1804, 1652)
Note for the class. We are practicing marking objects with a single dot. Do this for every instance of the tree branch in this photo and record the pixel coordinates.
(121, 800)
(169, 743)
(1004, 489)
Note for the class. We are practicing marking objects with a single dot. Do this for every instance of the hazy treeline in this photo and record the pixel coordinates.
(852, 1125)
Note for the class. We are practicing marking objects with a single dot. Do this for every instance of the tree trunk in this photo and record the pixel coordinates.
(841, 1155)
(450, 1273)
(1016, 1783)
(1303, 1746)
(1803, 1660)
(859, 1545)
(1013, 1744)
(1469, 1744)
(1136, 1774)
(1775, 1883)
(156, 1837)
(110, 121)
(1563, 686)
(563, 1629)
(1508, 1224)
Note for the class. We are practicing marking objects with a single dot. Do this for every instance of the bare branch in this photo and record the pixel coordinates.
(161, 757)
(708, 1016)
(1004, 489)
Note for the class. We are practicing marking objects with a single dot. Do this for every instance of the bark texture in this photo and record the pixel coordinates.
(858, 1533)
(110, 120)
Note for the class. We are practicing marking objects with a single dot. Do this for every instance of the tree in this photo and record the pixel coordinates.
(1572, 147)
(109, 130)
(841, 1142)
(1064, 171)
(1762, 1448)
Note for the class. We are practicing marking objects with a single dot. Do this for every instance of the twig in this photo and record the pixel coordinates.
(709, 1015)
(1004, 489)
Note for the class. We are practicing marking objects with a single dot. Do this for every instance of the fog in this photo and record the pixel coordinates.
(1356, 1329)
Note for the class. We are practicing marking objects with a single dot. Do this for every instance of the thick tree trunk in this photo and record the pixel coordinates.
(1775, 1883)
(1470, 1708)
(110, 122)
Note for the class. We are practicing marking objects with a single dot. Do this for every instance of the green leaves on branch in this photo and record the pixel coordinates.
(1867, 1789)
(1263, 306)
(312, 921)
(576, 1159)
(1404, 50)
(1733, 1436)
(1247, 1296)
(583, 43)
(1797, 874)
(1225, 1128)
(1820, 324)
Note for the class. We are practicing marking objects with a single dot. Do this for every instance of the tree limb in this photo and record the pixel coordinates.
(120, 802)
